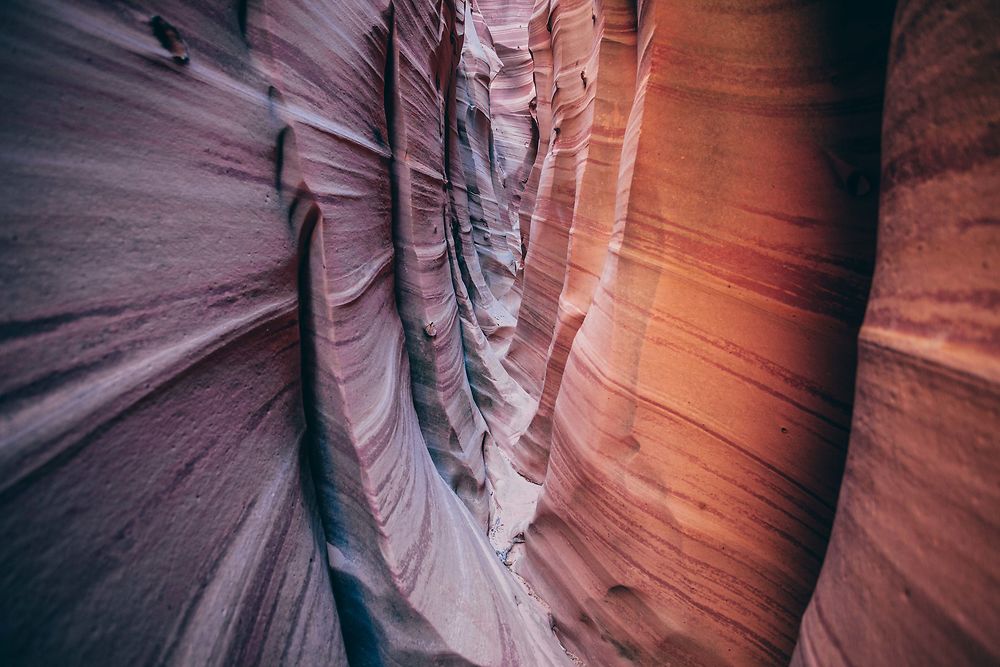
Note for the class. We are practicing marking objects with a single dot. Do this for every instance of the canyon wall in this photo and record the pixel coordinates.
(911, 574)
(245, 248)
(499, 332)
(701, 423)
(156, 489)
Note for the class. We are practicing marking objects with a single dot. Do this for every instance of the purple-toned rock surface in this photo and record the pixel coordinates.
(156, 501)
(454, 332)
(223, 223)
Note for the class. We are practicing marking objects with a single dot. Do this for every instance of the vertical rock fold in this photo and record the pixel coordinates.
(499, 332)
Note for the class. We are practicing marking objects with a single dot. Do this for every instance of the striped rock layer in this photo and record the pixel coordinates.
(701, 422)
(292, 289)
(917, 532)
(247, 249)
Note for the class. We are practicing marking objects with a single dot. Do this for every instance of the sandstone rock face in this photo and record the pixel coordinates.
(157, 500)
(570, 28)
(413, 574)
(911, 573)
(701, 423)
(511, 92)
(614, 65)
(201, 208)
(322, 316)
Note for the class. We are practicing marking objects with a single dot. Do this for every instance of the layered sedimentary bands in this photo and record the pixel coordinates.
(489, 332)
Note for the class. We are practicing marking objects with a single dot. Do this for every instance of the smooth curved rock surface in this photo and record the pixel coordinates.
(414, 577)
(319, 317)
(911, 573)
(237, 198)
(157, 505)
(700, 427)
(611, 76)
(571, 28)
(515, 133)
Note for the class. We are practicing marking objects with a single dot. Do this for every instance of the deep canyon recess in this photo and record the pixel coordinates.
(499, 332)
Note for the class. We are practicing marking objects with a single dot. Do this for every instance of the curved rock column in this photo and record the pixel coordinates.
(612, 77)
(700, 428)
(486, 323)
(911, 574)
(571, 27)
(515, 133)
(540, 47)
(414, 577)
(450, 422)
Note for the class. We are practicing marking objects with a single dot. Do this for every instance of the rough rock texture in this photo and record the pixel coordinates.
(223, 223)
(304, 301)
(911, 574)
(700, 427)
(157, 504)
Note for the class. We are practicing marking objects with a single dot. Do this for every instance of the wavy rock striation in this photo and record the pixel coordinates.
(614, 64)
(915, 541)
(322, 316)
(268, 293)
(570, 28)
(157, 500)
(700, 425)
(413, 575)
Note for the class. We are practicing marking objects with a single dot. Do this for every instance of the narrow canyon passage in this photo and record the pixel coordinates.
(499, 332)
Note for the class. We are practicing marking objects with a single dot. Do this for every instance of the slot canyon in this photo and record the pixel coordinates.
(500, 332)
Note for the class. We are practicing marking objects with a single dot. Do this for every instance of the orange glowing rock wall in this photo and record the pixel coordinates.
(292, 289)
(701, 423)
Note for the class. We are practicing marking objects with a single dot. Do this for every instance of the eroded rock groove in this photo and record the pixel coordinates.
(499, 332)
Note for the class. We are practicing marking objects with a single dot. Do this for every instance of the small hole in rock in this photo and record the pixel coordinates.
(170, 39)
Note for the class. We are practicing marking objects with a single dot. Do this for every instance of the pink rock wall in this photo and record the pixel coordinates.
(700, 425)
(247, 289)
(305, 302)
(911, 573)
(594, 211)
(570, 26)
(157, 502)
(512, 90)
(413, 575)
